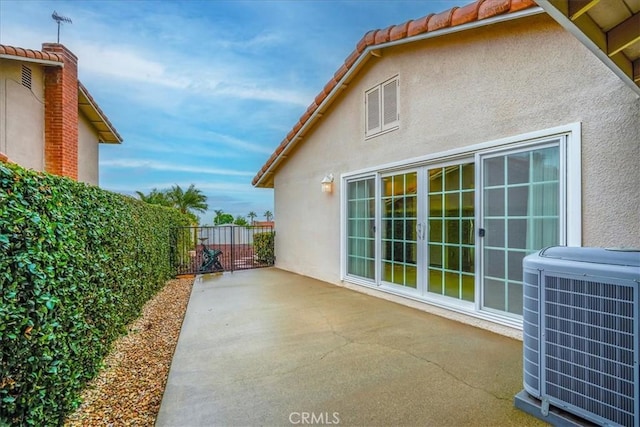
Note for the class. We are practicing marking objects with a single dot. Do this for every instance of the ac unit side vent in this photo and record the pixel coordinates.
(589, 347)
(531, 333)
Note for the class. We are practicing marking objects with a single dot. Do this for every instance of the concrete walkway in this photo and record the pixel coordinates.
(267, 347)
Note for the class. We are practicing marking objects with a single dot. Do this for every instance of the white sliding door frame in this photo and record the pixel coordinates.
(569, 137)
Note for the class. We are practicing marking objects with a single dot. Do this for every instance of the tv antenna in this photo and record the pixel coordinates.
(60, 19)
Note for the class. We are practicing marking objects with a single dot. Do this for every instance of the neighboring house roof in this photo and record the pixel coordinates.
(478, 13)
(609, 28)
(263, 224)
(107, 133)
(30, 55)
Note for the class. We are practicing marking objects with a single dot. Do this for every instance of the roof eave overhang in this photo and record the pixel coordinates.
(626, 70)
(45, 62)
(266, 179)
(106, 132)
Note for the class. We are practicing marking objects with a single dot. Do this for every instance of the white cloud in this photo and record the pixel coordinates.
(260, 41)
(155, 165)
(206, 186)
(224, 65)
(237, 143)
(245, 91)
(125, 63)
(203, 78)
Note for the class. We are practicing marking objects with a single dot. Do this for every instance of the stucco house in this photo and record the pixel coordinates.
(49, 120)
(457, 144)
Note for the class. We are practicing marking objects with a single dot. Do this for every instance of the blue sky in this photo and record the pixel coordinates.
(202, 92)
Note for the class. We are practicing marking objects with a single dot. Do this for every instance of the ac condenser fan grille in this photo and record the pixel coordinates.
(589, 346)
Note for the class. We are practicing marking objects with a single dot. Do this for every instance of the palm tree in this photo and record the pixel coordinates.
(155, 197)
(252, 216)
(268, 215)
(187, 201)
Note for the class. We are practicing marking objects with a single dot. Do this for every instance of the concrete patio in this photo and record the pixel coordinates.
(268, 347)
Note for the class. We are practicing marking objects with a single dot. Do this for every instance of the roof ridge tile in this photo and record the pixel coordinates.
(517, 5)
(369, 38)
(441, 20)
(466, 13)
(419, 25)
(382, 36)
(490, 8)
(340, 73)
(399, 31)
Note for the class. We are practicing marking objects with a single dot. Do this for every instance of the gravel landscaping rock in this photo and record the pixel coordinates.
(129, 389)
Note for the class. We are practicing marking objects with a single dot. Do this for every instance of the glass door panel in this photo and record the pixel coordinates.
(521, 214)
(361, 228)
(451, 239)
(399, 229)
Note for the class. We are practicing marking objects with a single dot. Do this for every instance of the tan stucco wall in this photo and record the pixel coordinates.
(462, 89)
(87, 151)
(22, 114)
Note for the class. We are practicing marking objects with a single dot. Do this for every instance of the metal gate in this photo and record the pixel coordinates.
(199, 250)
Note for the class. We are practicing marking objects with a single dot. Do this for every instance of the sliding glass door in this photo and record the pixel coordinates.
(456, 232)
(399, 237)
(520, 215)
(450, 232)
(361, 208)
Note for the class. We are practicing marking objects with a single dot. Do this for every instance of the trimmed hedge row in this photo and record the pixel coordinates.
(77, 264)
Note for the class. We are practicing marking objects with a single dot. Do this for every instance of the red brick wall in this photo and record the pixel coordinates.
(61, 114)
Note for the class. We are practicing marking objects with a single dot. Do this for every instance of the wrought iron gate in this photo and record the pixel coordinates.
(241, 248)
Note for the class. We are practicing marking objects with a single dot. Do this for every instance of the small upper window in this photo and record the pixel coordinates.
(26, 77)
(381, 108)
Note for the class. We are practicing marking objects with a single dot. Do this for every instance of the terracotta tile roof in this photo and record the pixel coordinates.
(30, 53)
(456, 16)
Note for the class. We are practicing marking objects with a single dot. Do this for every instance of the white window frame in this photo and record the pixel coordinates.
(378, 92)
(571, 169)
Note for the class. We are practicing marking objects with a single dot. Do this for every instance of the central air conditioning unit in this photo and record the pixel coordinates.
(581, 340)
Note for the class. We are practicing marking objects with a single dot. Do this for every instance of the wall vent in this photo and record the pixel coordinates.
(581, 340)
(26, 77)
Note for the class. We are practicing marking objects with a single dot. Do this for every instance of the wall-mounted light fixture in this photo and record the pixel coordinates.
(327, 183)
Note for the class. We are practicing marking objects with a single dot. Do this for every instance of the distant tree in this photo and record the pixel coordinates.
(155, 197)
(240, 220)
(187, 201)
(268, 215)
(252, 217)
(222, 217)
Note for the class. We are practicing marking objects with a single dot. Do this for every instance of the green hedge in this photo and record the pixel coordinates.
(77, 265)
(264, 247)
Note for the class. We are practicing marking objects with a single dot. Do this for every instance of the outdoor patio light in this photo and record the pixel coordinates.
(327, 183)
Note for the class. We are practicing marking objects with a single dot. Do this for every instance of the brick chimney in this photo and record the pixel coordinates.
(61, 114)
